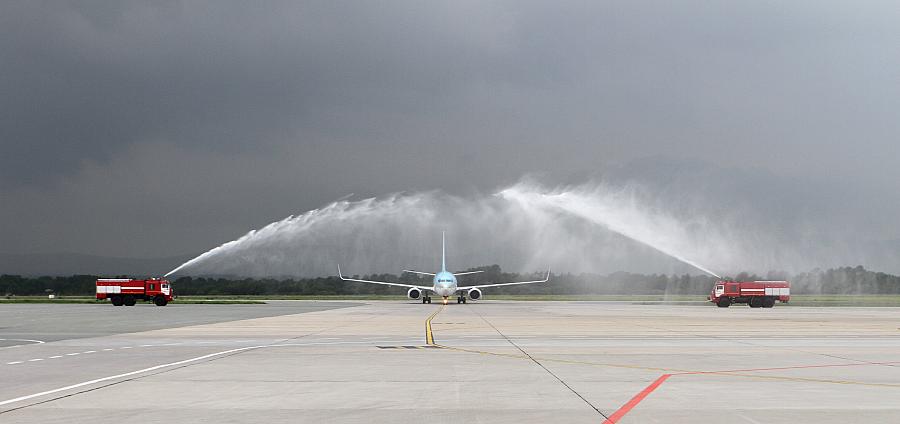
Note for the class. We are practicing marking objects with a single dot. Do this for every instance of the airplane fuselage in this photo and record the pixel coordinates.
(444, 284)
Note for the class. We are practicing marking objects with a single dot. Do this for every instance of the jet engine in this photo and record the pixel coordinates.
(474, 294)
(414, 293)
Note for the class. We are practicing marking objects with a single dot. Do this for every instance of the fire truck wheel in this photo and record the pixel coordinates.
(160, 301)
(116, 300)
(129, 300)
(724, 302)
(754, 302)
(768, 302)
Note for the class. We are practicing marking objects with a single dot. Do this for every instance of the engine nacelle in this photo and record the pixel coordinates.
(474, 294)
(414, 293)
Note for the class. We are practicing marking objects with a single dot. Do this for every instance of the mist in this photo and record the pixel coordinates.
(596, 226)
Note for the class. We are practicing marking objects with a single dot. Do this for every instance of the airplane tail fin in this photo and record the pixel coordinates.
(443, 253)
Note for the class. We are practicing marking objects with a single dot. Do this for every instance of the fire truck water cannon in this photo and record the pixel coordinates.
(757, 294)
(127, 291)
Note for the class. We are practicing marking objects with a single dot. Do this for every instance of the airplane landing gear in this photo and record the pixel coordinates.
(426, 299)
(461, 299)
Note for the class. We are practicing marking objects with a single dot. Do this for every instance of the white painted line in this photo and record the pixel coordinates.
(173, 364)
(73, 354)
(21, 340)
(13, 362)
(126, 347)
(127, 374)
(35, 359)
(56, 356)
(147, 345)
(26, 340)
(107, 350)
(90, 351)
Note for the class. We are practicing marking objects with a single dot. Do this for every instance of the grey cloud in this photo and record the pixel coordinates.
(230, 115)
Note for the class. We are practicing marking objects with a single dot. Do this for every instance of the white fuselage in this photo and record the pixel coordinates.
(444, 284)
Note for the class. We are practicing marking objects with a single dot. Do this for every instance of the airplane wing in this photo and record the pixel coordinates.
(481, 286)
(466, 273)
(418, 272)
(385, 283)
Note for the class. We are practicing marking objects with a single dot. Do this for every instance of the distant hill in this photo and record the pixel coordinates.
(64, 264)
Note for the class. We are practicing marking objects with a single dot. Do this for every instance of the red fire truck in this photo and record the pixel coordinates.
(127, 291)
(757, 294)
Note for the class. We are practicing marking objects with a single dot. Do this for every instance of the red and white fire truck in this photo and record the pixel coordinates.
(757, 294)
(127, 291)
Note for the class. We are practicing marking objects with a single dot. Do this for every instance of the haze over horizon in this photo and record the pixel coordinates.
(153, 130)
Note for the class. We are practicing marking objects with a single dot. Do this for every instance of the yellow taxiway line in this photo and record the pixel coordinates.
(429, 336)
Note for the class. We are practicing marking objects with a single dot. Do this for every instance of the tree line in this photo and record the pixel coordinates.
(844, 280)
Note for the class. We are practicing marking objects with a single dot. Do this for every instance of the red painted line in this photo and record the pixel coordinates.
(616, 416)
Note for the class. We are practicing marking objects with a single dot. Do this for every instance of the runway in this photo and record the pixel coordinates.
(492, 361)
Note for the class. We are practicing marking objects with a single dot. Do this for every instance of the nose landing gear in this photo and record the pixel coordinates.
(461, 299)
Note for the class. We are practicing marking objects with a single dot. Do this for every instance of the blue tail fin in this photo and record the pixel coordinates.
(443, 254)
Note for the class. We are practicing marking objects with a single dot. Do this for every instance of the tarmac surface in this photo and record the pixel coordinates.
(49, 322)
(492, 361)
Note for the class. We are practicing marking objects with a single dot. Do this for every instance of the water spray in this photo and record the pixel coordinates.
(622, 217)
(521, 226)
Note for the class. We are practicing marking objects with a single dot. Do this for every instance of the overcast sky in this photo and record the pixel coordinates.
(151, 129)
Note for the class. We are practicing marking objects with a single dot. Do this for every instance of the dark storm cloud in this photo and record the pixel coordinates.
(232, 114)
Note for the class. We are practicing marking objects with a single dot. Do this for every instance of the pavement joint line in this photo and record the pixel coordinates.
(735, 373)
(165, 366)
(748, 343)
(567, 361)
(117, 376)
(858, 364)
(622, 411)
(658, 382)
(810, 380)
(634, 401)
(542, 366)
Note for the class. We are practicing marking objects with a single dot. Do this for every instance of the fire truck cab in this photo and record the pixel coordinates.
(757, 294)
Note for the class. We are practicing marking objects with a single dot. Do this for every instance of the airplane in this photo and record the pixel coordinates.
(444, 283)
